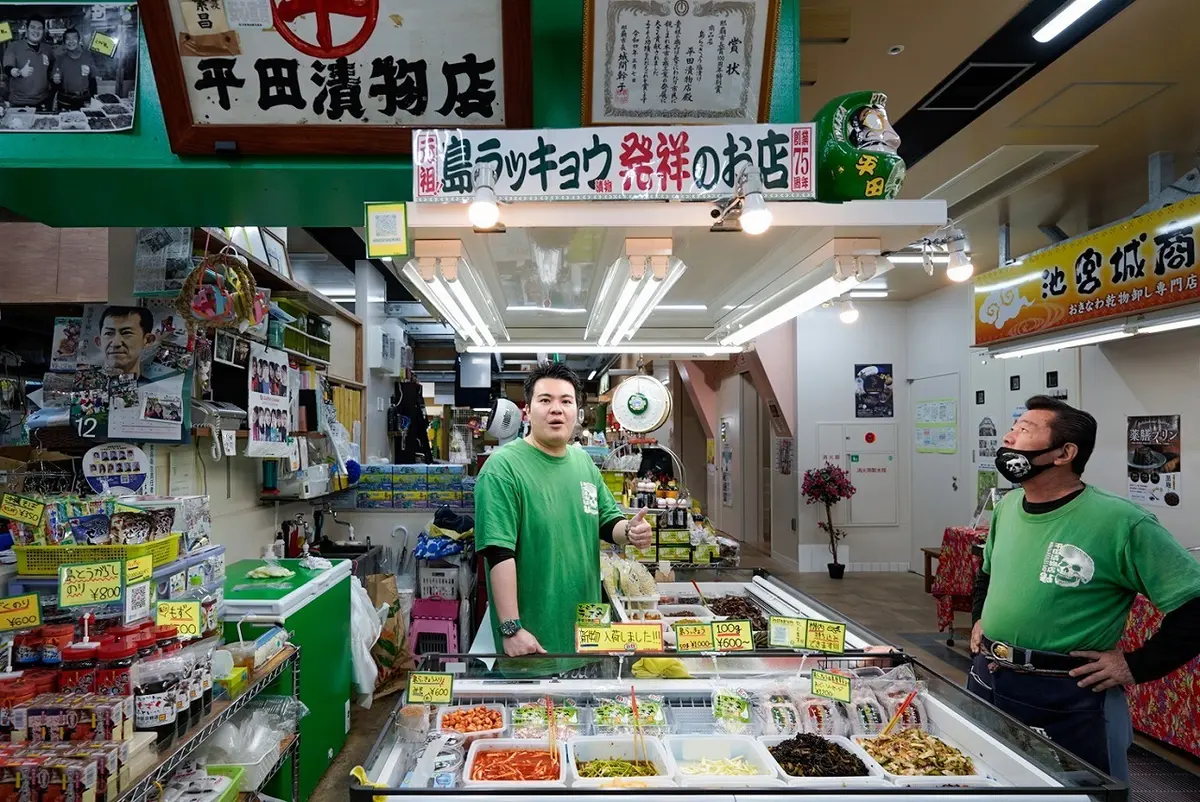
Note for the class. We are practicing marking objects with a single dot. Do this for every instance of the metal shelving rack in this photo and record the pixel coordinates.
(151, 782)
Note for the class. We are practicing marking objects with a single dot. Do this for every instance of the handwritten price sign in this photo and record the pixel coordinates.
(139, 569)
(619, 638)
(21, 508)
(20, 612)
(186, 617)
(790, 633)
(733, 636)
(826, 636)
(694, 638)
(831, 686)
(427, 688)
(89, 583)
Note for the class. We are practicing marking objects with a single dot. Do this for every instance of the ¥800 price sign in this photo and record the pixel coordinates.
(184, 616)
(85, 584)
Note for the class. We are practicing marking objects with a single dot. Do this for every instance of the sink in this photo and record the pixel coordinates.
(345, 550)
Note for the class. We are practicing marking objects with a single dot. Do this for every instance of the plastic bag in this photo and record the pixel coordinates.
(775, 714)
(867, 715)
(251, 741)
(531, 719)
(892, 694)
(365, 625)
(615, 716)
(731, 710)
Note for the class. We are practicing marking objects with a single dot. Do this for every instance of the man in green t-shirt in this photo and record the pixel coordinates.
(1061, 568)
(541, 510)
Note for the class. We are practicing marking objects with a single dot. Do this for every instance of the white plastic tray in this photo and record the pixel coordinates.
(875, 779)
(525, 745)
(474, 736)
(687, 748)
(978, 780)
(599, 747)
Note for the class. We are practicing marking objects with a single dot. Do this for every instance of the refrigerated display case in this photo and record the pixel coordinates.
(1008, 760)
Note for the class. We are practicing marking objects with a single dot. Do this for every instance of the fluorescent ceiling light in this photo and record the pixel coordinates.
(727, 307)
(460, 295)
(869, 294)
(1063, 19)
(1058, 345)
(591, 375)
(554, 310)
(916, 258)
(623, 300)
(683, 349)
(682, 308)
(1168, 325)
(437, 294)
(824, 292)
(638, 298)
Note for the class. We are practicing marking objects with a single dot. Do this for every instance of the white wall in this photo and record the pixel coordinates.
(1149, 375)
(371, 307)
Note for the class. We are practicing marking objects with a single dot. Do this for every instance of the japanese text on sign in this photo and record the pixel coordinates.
(790, 633)
(694, 638)
(89, 583)
(831, 686)
(619, 638)
(138, 569)
(663, 163)
(21, 508)
(186, 617)
(20, 612)
(733, 636)
(427, 688)
(826, 636)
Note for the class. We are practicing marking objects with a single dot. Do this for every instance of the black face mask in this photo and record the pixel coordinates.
(1017, 466)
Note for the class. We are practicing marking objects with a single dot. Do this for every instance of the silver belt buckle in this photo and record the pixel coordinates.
(1004, 653)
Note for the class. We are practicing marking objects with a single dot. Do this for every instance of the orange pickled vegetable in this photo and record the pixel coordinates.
(515, 765)
(475, 719)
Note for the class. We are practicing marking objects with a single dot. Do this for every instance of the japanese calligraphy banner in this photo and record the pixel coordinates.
(377, 62)
(1145, 263)
(618, 162)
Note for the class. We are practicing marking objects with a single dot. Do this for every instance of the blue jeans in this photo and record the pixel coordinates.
(1094, 726)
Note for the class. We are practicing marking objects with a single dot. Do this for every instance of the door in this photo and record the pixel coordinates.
(939, 486)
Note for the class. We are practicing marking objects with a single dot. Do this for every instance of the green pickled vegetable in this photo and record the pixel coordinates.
(617, 768)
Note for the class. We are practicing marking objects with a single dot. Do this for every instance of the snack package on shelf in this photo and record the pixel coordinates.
(731, 710)
(531, 719)
(892, 694)
(775, 714)
(867, 715)
(821, 716)
(614, 716)
(59, 717)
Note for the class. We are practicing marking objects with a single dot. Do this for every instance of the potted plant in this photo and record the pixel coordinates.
(828, 485)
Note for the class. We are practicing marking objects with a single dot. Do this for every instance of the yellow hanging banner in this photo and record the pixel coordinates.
(139, 569)
(103, 44)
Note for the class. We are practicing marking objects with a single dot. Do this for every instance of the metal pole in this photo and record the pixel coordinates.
(1161, 168)
(1003, 245)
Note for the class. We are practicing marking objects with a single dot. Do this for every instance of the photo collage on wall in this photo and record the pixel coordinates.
(269, 407)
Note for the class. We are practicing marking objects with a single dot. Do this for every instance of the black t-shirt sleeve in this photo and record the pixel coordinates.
(982, 579)
(1176, 642)
(496, 555)
(607, 530)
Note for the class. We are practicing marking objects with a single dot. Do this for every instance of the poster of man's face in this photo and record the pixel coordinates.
(125, 331)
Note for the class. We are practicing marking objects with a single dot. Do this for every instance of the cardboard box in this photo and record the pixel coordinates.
(376, 477)
(410, 499)
(62, 717)
(374, 499)
(649, 555)
(674, 537)
(452, 497)
(676, 554)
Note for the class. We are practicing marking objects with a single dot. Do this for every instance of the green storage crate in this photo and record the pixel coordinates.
(315, 607)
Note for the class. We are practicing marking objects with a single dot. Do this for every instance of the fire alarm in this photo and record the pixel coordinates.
(870, 437)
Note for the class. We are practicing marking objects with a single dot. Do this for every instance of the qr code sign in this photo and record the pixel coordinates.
(387, 228)
(137, 601)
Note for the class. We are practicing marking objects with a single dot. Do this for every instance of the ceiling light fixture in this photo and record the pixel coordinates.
(484, 211)
(1063, 19)
(592, 375)
(438, 275)
(747, 210)
(632, 289)
(1168, 324)
(657, 349)
(916, 259)
(959, 268)
(1058, 345)
(554, 310)
(822, 293)
(682, 308)
(849, 313)
(869, 294)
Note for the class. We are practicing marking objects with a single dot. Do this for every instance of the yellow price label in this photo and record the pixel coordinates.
(826, 636)
(186, 617)
(619, 638)
(138, 569)
(831, 686)
(84, 584)
(428, 688)
(694, 638)
(733, 636)
(21, 508)
(788, 633)
(119, 507)
(104, 44)
(20, 612)
(5, 32)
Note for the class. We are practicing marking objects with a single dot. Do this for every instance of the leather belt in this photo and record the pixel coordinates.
(1032, 660)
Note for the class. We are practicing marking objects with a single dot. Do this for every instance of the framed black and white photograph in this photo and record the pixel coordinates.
(277, 255)
(68, 67)
(223, 345)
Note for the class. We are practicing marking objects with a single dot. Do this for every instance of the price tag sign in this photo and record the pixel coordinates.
(619, 638)
(427, 688)
(138, 569)
(20, 612)
(119, 507)
(733, 636)
(5, 32)
(21, 508)
(788, 633)
(103, 44)
(85, 584)
(694, 638)
(593, 614)
(186, 617)
(831, 686)
(826, 636)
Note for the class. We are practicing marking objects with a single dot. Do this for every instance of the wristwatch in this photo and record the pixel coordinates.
(510, 627)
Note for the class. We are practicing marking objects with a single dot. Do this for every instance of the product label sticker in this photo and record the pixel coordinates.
(21, 508)
(138, 569)
(90, 583)
(428, 688)
(593, 614)
(20, 612)
(186, 617)
(229, 442)
(733, 636)
(826, 636)
(831, 686)
(619, 638)
(694, 638)
(788, 633)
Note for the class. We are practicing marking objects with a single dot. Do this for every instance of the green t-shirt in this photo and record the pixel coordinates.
(549, 511)
(1064, 581)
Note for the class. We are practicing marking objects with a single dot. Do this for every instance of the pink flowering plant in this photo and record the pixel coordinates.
(828, 485)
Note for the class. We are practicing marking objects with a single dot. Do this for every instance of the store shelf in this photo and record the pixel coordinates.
(223, 711)
(357, 385)
(242, 434)
(282, 499)
(312, 360)
(289, 747)
(304, 333)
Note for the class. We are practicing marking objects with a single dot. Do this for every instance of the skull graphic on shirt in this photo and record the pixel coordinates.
(1067, 566)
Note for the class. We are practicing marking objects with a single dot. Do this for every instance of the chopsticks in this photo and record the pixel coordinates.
(698, 593)
(899, 712)
(552, 729)
(639, 740)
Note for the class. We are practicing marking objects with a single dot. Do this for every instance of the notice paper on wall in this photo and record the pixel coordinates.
(937, 426)
(1154, 460)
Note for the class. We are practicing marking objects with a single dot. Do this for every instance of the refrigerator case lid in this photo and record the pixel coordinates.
(277, 597)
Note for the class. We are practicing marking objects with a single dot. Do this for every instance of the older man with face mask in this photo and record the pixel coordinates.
(27, 66)
(1061, 568)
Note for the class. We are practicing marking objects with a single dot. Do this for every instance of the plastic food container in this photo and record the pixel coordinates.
(876, 777)
(581, 749)
(684, 749)
(501, 744)
(979, 779)
(474, 736)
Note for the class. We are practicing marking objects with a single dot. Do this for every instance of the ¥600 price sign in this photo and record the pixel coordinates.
(20, 612)
(84, 584)
(733, 636)
(184, 616)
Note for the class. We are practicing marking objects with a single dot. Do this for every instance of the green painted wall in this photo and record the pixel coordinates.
(133, 179)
